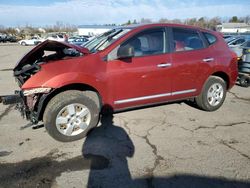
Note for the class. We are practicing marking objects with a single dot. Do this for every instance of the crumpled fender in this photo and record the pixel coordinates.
(60, 80)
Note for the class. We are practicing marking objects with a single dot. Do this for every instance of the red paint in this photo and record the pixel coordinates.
(119, 79)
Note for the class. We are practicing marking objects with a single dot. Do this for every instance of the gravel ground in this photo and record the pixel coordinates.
(171, 145)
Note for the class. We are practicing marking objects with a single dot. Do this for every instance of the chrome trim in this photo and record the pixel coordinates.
(163, 65)
(154, 96)
(142, 98)
(207, 60)
(184, 92)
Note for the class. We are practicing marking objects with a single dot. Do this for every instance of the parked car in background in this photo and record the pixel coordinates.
(70, 39)
(85, 36)
(10, 38)
(244, 66)
(239, 49)
(57, 37)
(226, 37)
(124, 68)
(238, 41)
(3, 39)
(31, 41)
(246, 47)
(79, 41)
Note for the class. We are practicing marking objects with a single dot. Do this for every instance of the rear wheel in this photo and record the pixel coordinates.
(70, 115)
(23, 43)
(213, 94)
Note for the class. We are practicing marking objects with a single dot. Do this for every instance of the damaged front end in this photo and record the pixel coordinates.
(30, 101)
(27, 105)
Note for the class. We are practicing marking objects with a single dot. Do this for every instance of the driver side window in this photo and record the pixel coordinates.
(144, 44)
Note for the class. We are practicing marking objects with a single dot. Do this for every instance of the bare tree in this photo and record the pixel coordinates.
(164, 20)
(146, 20)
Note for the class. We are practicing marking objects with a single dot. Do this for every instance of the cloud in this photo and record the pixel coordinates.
(113, 11)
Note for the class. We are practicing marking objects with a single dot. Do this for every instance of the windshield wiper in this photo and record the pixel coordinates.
(105, 40)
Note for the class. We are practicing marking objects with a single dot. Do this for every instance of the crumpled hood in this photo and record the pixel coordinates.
(47, 45)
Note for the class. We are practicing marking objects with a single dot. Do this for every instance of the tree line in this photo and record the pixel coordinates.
(59, 27)
(204, 22)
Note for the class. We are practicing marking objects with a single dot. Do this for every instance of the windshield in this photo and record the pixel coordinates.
(103, 41)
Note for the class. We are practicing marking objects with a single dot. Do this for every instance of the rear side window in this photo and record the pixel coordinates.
(185, 40)
(211, 39)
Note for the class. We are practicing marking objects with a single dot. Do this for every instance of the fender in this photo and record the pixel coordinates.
(60, 80)
(220, 72)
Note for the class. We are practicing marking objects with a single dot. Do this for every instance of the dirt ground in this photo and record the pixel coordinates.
(172, 145)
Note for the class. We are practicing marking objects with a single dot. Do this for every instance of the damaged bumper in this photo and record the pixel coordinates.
(10, 99)
(28, 103)
(17, 99)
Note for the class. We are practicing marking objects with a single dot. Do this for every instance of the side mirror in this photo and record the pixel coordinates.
(125, 52)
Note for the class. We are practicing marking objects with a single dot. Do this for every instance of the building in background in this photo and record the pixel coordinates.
(234, 28)
(93, 30)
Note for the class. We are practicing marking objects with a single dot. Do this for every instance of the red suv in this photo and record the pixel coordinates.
(67, 86)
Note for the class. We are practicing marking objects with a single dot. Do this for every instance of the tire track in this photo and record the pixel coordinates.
(6, 111)
(8, 69)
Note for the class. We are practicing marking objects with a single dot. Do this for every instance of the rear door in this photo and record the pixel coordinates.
(189, 53)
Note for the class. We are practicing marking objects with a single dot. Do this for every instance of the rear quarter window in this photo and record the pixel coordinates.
(211, 39)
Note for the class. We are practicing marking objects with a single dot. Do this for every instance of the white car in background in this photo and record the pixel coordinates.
(31, 41)
(57, 37)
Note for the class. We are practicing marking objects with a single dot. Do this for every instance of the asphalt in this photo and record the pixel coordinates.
(172, 145)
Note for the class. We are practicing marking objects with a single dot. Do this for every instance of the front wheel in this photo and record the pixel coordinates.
(213, 94)
(70, 115)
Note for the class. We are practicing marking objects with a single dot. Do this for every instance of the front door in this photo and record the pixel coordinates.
(144, 78)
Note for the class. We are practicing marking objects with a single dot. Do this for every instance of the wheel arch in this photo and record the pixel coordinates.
(89, 91)
(224, 76)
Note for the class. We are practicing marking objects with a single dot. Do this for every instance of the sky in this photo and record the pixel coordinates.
(87, 12)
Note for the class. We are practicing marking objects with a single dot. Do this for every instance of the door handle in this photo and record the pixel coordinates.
(207, 60)
(163, 65)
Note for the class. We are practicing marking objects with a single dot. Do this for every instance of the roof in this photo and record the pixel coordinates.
(150, 25)
(132, 26)
(235, 25)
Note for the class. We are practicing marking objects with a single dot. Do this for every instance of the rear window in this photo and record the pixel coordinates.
(185, 40)
(211, 39)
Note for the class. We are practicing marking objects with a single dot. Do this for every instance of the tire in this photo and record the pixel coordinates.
(244, 81)
(23, 43)
(70, 115)
(213, 94)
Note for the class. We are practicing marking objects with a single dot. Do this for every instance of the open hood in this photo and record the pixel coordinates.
(47, 45)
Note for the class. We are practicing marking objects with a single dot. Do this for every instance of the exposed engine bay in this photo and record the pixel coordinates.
(45, 52)
(30, 102)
